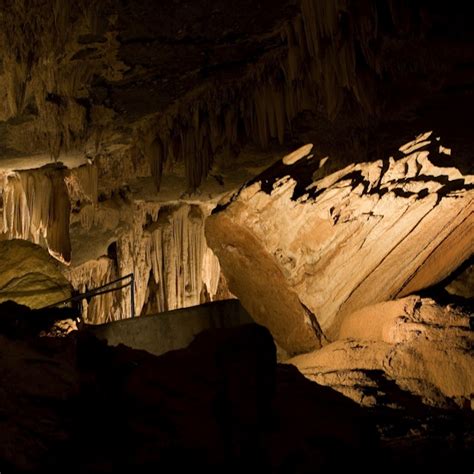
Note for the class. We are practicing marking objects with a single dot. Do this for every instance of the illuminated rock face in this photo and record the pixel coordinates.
(29, 276)
(36, 207)
(392, 350)
(301, 253)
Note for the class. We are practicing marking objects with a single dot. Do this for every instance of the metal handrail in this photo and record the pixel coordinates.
(100, 291)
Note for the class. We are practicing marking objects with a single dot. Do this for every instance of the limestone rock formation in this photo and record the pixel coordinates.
(390, 352)
(98, 83)
(36, 207)
(162, 244)
(37, 202)
(103, 75)
(29, 276)
(302, 250)
(124, 123)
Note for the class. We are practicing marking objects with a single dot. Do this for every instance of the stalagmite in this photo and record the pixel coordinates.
(300, 255)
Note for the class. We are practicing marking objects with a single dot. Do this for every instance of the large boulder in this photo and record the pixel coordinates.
(30, 276)
(392, 352)
(302, 252)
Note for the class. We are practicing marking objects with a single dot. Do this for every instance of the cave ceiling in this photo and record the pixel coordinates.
(195, 83)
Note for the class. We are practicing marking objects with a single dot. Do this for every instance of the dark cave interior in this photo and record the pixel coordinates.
(260, 219)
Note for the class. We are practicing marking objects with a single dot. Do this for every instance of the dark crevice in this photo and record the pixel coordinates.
(319, 333)
(439, 293)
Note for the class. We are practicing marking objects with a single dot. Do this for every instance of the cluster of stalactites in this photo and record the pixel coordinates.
(318, 67)
(166, 249)
(30, 32)
(184, 268)
(220, 124)
(37, 204)
(43, 71)
(36, 207)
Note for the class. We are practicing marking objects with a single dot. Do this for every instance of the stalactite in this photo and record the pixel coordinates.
(82, 183)
(57, 238)
(36, 207)
(155, 151)
(182, 263)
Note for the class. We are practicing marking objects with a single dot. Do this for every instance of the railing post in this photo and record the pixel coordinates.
(132, 294)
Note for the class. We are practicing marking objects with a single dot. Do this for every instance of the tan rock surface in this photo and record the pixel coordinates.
(29, 276)
(368, 233)
(391, 351)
